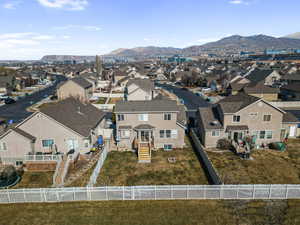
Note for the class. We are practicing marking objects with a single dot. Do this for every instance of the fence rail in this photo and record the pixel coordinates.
(42, 157)
(165, 192)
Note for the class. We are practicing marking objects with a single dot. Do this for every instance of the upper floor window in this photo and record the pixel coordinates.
(267, 118)
(143, 117)
(236, 119)
(120, 117)
(47, 143)
(3, 146)
(167, 116)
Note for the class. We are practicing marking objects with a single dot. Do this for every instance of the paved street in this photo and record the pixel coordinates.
(17, 111)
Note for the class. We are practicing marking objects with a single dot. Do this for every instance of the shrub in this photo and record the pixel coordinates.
(223, 144)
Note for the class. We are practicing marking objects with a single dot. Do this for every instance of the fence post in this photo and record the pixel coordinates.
(106, 194)
(24, 195)
(204, 194)
(123, 193)
(8, 196)
(45, 196)
(171, 191)
(270, 190)
(74, 193)
(187, 191)
(286, 192)
(221, 192)
(132, 194)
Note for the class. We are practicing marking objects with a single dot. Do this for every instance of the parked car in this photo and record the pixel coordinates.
(185, 89)
(9, 101)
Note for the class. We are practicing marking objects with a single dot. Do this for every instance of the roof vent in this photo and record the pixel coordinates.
(79, 110)
(214, 123)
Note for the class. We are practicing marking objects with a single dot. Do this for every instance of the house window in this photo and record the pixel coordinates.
(125, 133)
(168, 147)
(86, 143)
(215, 133)
(47, 143)
(267, 118)
(143, 117)
(255, 134)
(269, 134)
(161, 133)
(19, 163)
(168, 133)
(236, 119)
(174, 134)
(3, 146)
(167, 116)
(120, 117)
(262, 134)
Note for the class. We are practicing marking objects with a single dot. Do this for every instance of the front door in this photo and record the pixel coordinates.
(237, 136)
(145, 136)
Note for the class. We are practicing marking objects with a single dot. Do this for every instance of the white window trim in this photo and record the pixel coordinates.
(1, 146)
(167, 144)
(263, 119)
(236, 121)
(266, 135)
(143, 117)
(215, 135)
(47, 140)
(168, 114)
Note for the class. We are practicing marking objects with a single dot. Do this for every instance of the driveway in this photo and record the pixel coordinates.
(18, 111)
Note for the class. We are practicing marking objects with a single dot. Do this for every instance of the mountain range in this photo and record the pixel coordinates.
(229, 45)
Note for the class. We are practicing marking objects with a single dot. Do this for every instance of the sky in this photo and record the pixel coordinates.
(30, 29)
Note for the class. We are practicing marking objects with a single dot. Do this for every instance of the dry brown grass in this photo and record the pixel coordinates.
(122, 168)
(114, 100)
(267, 166)
(153, 212)
(36, 180)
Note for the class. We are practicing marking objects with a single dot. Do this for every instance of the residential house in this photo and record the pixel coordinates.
(77, 87)
(156, 123)
(7, 84)
(65, 127)
(291, 92)
(140, 90)
(266, 76)
(241, 115)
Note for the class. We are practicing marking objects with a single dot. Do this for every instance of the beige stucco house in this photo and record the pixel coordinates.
(241, 115)
(77, 87)
(156, 123)
(60, 128)
(140, 90)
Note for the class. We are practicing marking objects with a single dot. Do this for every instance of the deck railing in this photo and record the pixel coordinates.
(42, 157)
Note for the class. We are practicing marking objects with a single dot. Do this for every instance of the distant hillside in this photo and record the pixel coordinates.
(236, 43)
(294, 35)
(229, 45)
(145, 51)
(53, 58)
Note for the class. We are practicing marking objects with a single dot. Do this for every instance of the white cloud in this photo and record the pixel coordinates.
(43, 37)
(80, 27)
(16, 35)
(243, 2)
(65, 4)
(66, 37)
(11, 4)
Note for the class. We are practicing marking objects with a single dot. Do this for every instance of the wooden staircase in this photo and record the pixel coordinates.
(144, 153)
(58, 179)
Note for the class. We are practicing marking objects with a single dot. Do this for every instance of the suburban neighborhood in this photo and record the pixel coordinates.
(149, 112)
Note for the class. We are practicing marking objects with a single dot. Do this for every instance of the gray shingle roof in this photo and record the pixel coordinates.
(260, 88)
(210, 118)
(258, 75)
(81, 118)
(144, 84)
(82, 82)
(295, 87)
(290, 118)
(144, 127)
(147, 106)
(235, 103)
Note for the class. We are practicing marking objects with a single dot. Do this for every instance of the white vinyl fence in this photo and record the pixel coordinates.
(165, 192)
(95, 174)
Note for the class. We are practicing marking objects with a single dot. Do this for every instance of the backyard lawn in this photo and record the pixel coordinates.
(122, 168)
(267, 166)
(36, 180)
(153, 212)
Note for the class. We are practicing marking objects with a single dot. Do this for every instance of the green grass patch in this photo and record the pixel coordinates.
(35, 180)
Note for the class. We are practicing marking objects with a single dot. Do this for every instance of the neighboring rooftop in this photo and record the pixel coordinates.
(79, 117)
(82, 82)
(235, 103)
(209, 118)
(145, 84)
(258, 75)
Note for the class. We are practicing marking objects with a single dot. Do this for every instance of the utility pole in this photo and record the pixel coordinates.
(99, 67)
